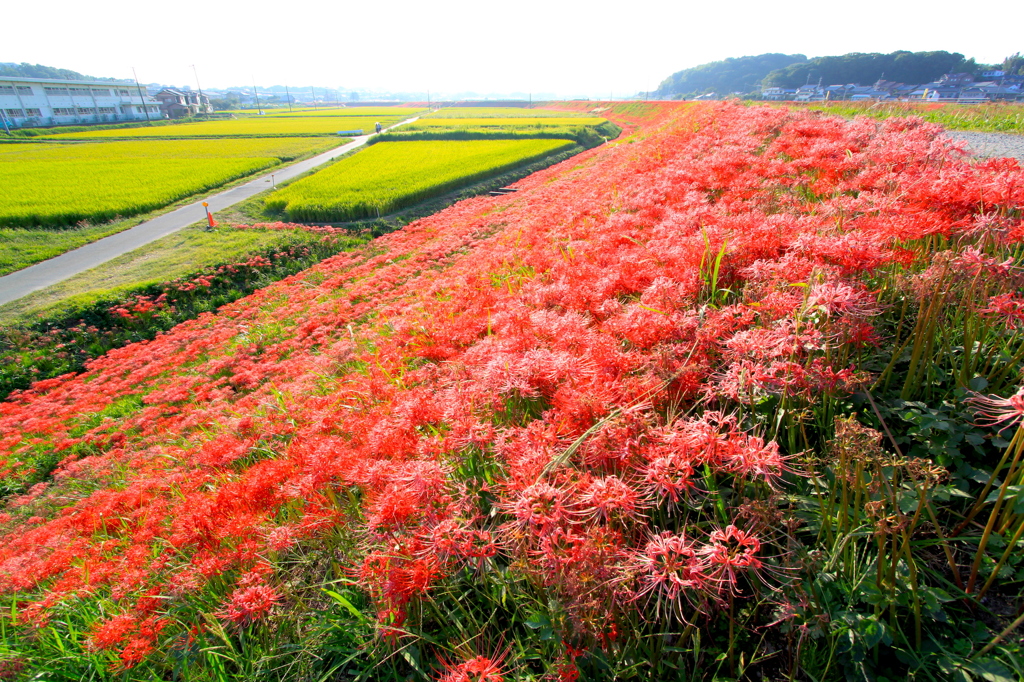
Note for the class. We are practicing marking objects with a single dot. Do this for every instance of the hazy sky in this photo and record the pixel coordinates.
(567, 48)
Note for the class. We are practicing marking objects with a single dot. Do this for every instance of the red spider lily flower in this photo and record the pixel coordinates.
(476, 669)
(389, 623)
(1002, 412)
(611, 498)
(668, 565)
(751, 457)
(113, 631)
(972, 261)
(448, 540)
(419, 574)
(540, 508)
(136, 651)
(1007, 308)
(729, 551)
(141, 636)
(249, 603)
(670, 477)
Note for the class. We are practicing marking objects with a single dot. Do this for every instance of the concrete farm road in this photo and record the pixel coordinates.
(59, 268)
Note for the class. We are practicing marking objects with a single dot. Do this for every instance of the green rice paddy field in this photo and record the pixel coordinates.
(502, 112)
(429, 123)
(49, 184)
(257, 126)
(391, 175)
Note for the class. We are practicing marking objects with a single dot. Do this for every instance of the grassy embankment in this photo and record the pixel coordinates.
(989, 118)
(679, 410)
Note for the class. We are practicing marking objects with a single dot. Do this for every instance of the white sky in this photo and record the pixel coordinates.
(568, 48)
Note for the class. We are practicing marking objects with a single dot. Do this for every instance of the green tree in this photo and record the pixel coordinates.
(1014, 65)
(736, 74)
(864, 68)
(26, 70)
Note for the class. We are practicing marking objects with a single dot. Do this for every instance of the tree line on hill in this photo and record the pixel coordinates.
(746, 75)
(26, 70)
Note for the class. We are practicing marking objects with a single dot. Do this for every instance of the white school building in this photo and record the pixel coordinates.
(29, 102)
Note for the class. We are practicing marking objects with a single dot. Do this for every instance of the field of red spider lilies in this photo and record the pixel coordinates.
(734, 397)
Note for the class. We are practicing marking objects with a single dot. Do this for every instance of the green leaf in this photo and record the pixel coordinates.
(346, 604)
(978, 384)
(975, 438)
(991, 670)
(537, 621)
(872, 632)
(542, 624)
(411, 655)
(908, 501)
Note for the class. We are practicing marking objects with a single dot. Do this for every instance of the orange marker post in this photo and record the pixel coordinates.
(211, 223)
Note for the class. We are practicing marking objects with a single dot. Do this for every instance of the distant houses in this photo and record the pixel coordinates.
(180, 104)
(955, 87)
(32, 102)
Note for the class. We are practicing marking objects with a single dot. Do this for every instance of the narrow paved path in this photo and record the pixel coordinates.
(988, 145)
(42, 275)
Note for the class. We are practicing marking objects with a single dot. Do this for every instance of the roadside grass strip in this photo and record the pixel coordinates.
(391, 175)
(995, 117)
(257, 126)
(51, 185)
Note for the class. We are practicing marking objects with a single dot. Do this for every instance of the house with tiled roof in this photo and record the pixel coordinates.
(183, 103)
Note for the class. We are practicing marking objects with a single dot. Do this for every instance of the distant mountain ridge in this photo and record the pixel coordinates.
(26, 70)
(865, 68)
(735, 74)
(746, 75)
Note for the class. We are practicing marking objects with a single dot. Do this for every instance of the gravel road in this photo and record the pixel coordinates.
(992, 144)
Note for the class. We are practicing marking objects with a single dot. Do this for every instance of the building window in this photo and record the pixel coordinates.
(79, 91)
(101, 93)
(56, 91)
(33, 112)
(63, 112)
(123, 93)
(6, 89)
(24, 90)
(107, 110)
(14, 113)
(85, 111)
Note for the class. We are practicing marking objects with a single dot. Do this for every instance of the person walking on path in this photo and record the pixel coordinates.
(377, 127)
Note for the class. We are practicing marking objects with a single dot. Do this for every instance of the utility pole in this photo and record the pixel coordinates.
(201, 106)
(313, 92)
(257, 93)
(145, 108)
(289, 96)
